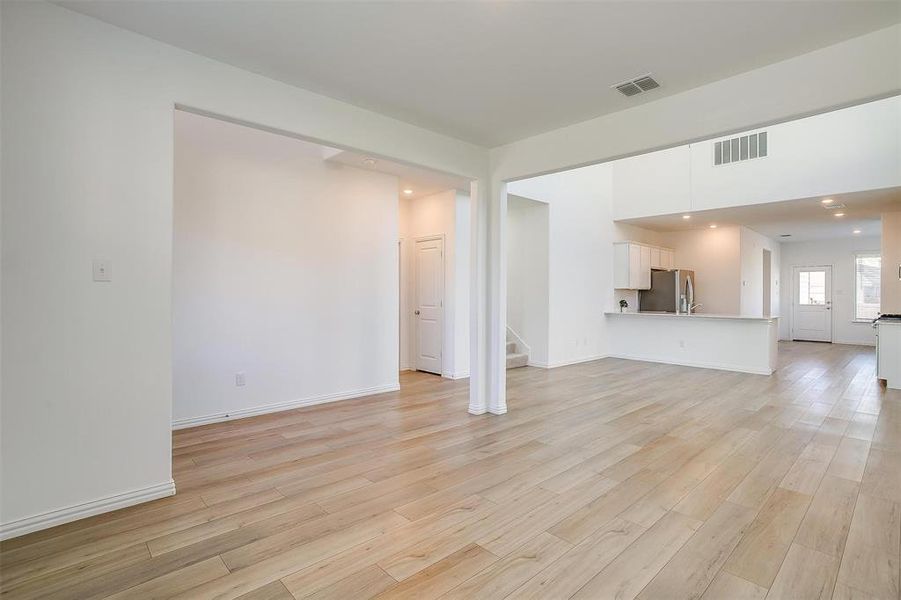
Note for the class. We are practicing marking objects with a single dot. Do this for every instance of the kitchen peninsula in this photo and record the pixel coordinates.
(725, 342)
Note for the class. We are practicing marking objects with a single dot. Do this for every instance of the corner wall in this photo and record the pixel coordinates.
(715, 257)
(752, 282)
(890, 283)
(284, 270)
(581, 233)
(527, 274)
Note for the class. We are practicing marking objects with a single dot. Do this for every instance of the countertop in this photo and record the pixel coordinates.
(691, 316)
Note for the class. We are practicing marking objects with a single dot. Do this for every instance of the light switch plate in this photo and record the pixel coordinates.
(103, 270)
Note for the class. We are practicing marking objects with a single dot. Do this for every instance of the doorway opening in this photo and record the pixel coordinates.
(434, 225)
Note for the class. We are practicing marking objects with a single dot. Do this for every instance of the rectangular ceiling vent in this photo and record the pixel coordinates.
(741, 148)
(636, 86)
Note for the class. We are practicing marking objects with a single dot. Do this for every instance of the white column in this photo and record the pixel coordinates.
(488, 300)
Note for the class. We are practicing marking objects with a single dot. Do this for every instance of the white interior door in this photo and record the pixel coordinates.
(812, 304)
(428, 315)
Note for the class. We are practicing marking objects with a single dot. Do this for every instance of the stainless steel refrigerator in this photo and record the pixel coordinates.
(671, 291)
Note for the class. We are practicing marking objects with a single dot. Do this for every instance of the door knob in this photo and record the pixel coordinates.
(415, 312)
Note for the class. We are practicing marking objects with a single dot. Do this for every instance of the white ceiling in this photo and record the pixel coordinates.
(803, 220)
(495, 72)
(423, 182)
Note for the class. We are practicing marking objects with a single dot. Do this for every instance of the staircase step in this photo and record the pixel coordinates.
(511, 347)
(517, 360)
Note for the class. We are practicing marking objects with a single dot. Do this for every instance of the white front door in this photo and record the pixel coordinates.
(428, 314)
(812, 304)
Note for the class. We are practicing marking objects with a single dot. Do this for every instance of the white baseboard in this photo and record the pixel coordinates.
(280, 406)
(566, 363)
(87, 509)
(698, 365)
(460, 375)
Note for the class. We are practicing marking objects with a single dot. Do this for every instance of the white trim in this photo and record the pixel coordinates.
(87, 509)
(460, 375)
(566, 363)
(698, 365)
(280, 406)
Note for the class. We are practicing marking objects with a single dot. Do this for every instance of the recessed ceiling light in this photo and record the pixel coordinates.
(369, 162)
(712, 225)
(839, 214)
(827, 201)
(686, 216)
(408, 191)
(857, 231)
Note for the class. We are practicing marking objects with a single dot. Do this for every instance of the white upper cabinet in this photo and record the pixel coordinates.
(652, 184)
(847, 150)
(633, 261)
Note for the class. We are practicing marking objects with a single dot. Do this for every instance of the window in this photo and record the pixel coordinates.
(866, 286)
(812, 288)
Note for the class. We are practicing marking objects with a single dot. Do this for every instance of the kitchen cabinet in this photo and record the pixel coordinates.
(888, 352)
(667, 258)
(661, 258)
(633, 262)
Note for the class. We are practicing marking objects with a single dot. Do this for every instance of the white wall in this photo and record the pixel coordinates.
(848, 150)
(811, 83)
(637, 194)
(87, 167)
(890, 282)
(442, 214)
(462, 277)
(752, 282)
(580, 260)
(715, 257)
(284, 269)
(527, 274)
(840, 254)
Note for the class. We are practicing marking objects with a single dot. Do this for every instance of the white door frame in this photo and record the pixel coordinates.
(794, 297)
(415, 281)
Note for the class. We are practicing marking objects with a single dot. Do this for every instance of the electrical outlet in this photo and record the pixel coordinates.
(681, 343)
(239, 379)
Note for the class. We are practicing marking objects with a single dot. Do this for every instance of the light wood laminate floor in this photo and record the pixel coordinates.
(610, 479)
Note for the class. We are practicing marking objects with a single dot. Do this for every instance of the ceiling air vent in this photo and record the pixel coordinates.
(636, 86)
(741, 148)
(646, 83)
